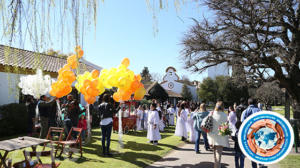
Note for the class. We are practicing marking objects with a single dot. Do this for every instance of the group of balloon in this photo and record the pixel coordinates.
(93, 84)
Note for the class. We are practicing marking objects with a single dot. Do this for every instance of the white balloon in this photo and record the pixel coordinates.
(35, 85)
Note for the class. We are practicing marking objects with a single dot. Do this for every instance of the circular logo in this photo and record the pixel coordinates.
(266, 137)
(171, 85)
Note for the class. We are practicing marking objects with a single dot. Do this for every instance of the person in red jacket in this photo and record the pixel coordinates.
(82, 124)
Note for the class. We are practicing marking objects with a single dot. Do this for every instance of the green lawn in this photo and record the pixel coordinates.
(280, 110)
(136, 152)
(291, 161)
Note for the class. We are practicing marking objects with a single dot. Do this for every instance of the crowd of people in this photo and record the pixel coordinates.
(189, 120)
(153, 118)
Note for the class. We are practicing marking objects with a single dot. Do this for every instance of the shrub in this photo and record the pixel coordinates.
(13, 119)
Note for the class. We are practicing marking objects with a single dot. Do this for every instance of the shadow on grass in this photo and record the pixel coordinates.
(79, 159)
(201, 164)
(141, 146)
(136, 157)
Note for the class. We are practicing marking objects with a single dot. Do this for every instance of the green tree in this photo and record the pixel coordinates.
(56, 53)
(146, 77)
(222, 88)
(208, 90)
(186, 93)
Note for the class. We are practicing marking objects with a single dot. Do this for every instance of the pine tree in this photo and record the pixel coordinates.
(146, 77)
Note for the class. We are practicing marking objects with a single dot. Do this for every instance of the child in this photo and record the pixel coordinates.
(153, 122)
(139, 119)
(145, 116)
(82, 124)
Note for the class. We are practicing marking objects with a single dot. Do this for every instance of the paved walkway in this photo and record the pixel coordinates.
(185, 157)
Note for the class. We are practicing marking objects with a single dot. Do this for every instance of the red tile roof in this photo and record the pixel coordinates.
(31, 60)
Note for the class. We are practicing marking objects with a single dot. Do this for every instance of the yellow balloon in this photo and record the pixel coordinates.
(139, 93)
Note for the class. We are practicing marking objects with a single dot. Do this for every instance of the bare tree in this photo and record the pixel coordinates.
(268, 93)
(157, 77)
(263, 36)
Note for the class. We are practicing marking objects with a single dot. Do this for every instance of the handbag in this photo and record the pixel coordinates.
(207, 123)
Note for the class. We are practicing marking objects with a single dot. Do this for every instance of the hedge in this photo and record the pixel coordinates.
(13, 119)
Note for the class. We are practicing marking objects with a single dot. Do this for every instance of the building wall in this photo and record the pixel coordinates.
(178, 88)
(8, 88)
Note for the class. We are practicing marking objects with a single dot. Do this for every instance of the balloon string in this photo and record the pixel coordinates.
(58, 108)
(36, 121)
(120, 132)
(88, 123)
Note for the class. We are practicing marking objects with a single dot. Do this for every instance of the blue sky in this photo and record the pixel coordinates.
(125, 29)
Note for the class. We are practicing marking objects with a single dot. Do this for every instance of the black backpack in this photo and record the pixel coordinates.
(239, 110)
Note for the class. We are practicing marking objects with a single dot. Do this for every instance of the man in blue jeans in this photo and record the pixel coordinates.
(252, 108)
(106, 111)
(198, 117)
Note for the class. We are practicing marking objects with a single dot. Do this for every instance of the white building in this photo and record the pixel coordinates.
(16, 62)
(172, 83)
(218, 70)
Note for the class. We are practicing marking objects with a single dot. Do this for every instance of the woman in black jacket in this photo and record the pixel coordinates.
(106, 112)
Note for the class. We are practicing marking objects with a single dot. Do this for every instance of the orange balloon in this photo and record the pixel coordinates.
(89, 99)
(74, 65)
(125, 62)
(134, 85)
(86, 98)
(68, 90)
(126, 96)
(95, 73)
(94, 83)
(77, 48)
(138, 77)
(117, 97)
(80, 53)
(59, 94)
(52, 93)
(86, 83)
(83, 90)
(91, 91)
(72, 78)
(72, 61)
(95, 93)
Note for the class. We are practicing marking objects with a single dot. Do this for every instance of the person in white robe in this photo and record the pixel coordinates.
(161, 124)
(217, 141)
(171, 113)
(180, 129)
(153, 122)
(145, 107)
(190, 127)
(139, 118)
